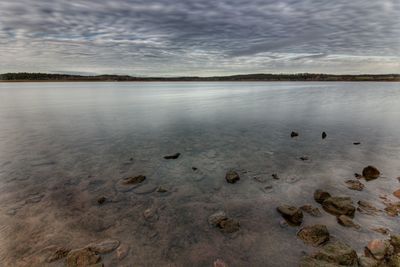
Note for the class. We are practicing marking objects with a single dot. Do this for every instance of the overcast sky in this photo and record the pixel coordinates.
(199, 37)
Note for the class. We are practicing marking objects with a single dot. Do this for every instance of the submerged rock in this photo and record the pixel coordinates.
(397, 193)
(225, 224)
(324, 135)
(338, 253)
(381, 230)
(133, 180)
(82, 257)
(370, 173)
(104, 246)
(54, 253)
(320, 196)
(354, 185)
(314, 235)
(275, 176)
(173, 156)
(379, 249)
(292, 215)
(366, 207)
(194, 168)
(339, 206)
(304, 158)
(122, 251)
(311, 262)
(347, 222)
(232, 177)
(392, 209)
(313, 211)
(219, 263)
(367, 262)
(294, 134)
(161, 189)
(356, 143)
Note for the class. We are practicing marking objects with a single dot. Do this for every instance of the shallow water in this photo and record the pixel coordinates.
(64, 145)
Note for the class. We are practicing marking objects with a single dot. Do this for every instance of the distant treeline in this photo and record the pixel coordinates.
(23, 76)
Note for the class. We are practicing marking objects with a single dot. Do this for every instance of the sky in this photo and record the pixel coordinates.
(200, 37)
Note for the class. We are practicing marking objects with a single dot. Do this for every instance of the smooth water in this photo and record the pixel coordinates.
(64, 145)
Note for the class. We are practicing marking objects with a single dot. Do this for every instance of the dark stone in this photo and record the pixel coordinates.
(133, 180)
(194, 168)
(370, 173)
(357, 175)
(354, 185)
(82, 257)
(313, 211)
(294, 134)
(222, 222)
(161, 189)
(173, 156)
(292, 215)
(366, 207)
(324, 135)
(275, 176)
(304, 158)
(101, 200)
(339, 206)
(356, 143)
(232, 177)
(338, 253)
(314, 235)
(320, 196)
(347, 221)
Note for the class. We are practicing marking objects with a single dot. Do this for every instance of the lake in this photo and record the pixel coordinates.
(65, 145)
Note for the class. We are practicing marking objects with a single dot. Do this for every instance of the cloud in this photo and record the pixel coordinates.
(199, 37)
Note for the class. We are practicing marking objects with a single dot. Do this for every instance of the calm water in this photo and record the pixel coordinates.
(64, 145)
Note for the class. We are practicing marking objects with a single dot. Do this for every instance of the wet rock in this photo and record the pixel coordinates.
(275, 176)
(356, 143)
(122, 251)
(381, 230)
(35, 198)
(150, 215)
(339, 206)
(324, 135)
(82, 257)
(395, 241)
(104, 246)
(194, 169)
(292, 215)
(370, 173)
(347, 222)
(55, 253)
(379, 249)
(338, 253)
(392, 209)
(173, 156)
(357, 175)
(101, 200)
(232, 177)
(145, 189)
(133, 180)
(367, 262)
(366, 207)
(304, 158)
(313, 211)
(354, 185)
(314, 235)
(294, 134)
(397, 193)
(219, 263)
(225, 224)
(161, 189)
(320, 196)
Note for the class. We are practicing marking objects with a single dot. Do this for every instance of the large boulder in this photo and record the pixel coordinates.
(292, 215)
(370, 173)
(320, 196)
(339, 206)
(338, 253)
(314, 235)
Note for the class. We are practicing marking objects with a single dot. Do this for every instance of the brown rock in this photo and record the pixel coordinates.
(313, 211)
(101, 200)
(292, 215)
(104, 246)
(395, 241)
(366, 207)
(82, 257)
(225, 224)
(133, 180)
(354, 185)
(364, 261)
(232, 177)
(381, 230)
(379, 249)
(311, 262)
(370, 173)
(54, 253)
(220, 263)
(338, 253)
(392, 209)
(397, 193)
(314, 235)
(339, 206)
(320, 196)
(122, 251)
(347, 222)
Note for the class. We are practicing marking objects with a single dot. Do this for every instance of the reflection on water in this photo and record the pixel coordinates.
(65, 145)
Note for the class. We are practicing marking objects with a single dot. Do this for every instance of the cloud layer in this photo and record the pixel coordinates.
(202, 37)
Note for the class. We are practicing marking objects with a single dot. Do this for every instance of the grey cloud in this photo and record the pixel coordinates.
(198, 37)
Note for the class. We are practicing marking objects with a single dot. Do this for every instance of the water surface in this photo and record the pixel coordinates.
(64, 145)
